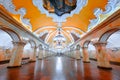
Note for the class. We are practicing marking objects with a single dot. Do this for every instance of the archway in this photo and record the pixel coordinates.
(30, 50)
(107, 34)
(85, 53)
(6, 46)
(92, 51)
(40, 51)
(86, 43)
(77, 52)
(103, 55)
(8, 38)
(27, 52)
(113, 46)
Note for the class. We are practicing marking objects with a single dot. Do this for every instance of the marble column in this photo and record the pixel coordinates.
(16, 58)
(102, 56)
(85, 55)
(43, 53)
(33, 57)
(40, 54)
(77, 54)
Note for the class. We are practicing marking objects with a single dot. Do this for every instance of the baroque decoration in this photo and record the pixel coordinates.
(57, 11)
(59, 7)
(59, 38)
(110, 8)
(9, 6)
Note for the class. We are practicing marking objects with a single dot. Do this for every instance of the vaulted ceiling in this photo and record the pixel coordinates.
(42, 24)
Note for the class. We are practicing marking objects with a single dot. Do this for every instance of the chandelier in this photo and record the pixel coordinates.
(59, 37)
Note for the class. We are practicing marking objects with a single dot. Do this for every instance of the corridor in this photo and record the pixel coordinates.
(59, 40)
(59, 68)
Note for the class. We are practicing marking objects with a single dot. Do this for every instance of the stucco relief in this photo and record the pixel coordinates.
(10, 7)
(80, 4)
(110, 8)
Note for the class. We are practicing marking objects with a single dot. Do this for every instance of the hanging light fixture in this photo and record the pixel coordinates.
(59, 37)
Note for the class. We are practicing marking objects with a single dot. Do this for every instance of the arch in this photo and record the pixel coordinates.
(78, 47)
(32, 43)
(86, 43)
(74, 28)
(104, 37)
(44, 27)
(15, 37)
(40, 46)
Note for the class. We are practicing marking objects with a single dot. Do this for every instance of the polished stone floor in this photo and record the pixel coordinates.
(59, 68)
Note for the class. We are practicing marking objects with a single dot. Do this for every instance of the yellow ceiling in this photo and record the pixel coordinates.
(39, 20)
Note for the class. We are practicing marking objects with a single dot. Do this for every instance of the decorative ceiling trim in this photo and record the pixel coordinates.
(71, 37)
(10, 7)
(75, 29)
(49, 35)
(80, 4)
(56, 28)
(110, 8)
(46, 39)
(44, 28)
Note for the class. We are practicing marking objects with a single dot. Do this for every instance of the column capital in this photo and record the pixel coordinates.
(84, 47)
(18, 43)
(35, 47)
(77, 49)
(100, 43)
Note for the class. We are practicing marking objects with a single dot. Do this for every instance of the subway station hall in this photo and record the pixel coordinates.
(59, 39)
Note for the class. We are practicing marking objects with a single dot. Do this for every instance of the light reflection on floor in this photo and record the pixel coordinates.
(75, 65)
(59, 70)
(59, 64)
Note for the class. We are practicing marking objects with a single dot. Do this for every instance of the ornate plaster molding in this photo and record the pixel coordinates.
(110, 8)
(80, 5)
(74, 28)
(44, 27)
(10, 7)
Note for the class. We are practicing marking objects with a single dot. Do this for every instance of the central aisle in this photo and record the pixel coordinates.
(57, 68)
(60, 68)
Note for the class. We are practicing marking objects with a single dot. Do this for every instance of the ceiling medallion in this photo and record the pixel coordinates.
(59, 10)
(59, 7)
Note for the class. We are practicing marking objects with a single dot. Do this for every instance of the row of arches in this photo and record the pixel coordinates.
(104, 37)
(14, 47)
(104, 49)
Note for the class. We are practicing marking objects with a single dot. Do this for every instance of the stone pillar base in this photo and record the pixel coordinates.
(13, 67)
(106, 68)
(32, 61)
(40, 59)
(86, 61)
(78, 59)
